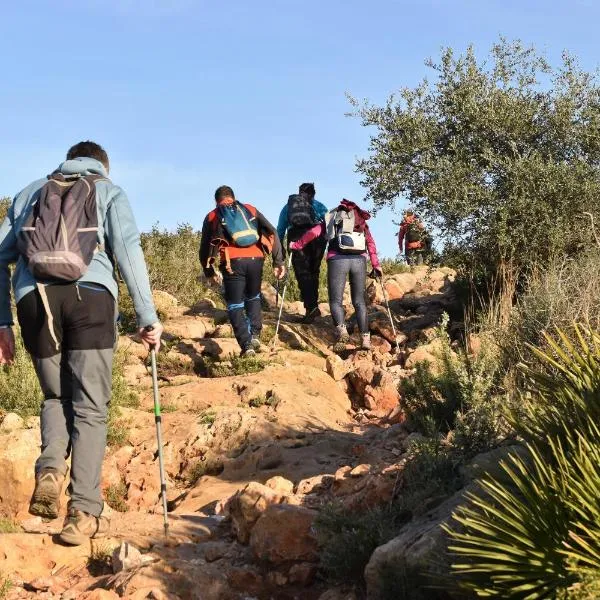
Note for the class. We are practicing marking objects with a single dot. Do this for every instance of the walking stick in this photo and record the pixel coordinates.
(277, 294)
(158, 421)
(389, 312)
(283, 297)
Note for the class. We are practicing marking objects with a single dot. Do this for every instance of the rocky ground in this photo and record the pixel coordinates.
(250, 458)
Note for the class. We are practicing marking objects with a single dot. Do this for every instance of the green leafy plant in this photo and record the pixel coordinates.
(235, 365)
(458, 392)
(207, 417)
(19, 387)
(5, 585)
(116, 496)
(122, 396)
(9, 525)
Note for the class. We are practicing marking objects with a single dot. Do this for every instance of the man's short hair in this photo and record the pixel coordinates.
(308, 189)
(224, 192)
(88, 149)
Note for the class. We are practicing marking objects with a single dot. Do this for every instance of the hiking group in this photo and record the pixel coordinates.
(67, 235)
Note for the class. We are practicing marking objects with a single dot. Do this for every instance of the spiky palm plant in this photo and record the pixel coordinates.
(562, 386)
(536, 532)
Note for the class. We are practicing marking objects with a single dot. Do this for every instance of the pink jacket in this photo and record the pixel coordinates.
(320, 230)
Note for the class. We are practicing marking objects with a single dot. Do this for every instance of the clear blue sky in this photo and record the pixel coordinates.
(188, 95)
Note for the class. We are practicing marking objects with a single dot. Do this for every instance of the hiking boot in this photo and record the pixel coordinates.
(255, 343)
(341, 334)
(342, 338)
(248, 352)
(45, 501)
(365, 341)
(311, 315)
(79, 527)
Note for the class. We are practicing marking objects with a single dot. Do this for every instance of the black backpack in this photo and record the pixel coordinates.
(301, 213)
(60, 237)
(414, 233)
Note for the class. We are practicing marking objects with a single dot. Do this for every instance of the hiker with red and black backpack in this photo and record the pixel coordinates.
(350, 243)
(239, 237)
(414, 238)
(66, 233)
(302, 212)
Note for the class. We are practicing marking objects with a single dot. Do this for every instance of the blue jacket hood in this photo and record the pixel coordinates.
(82, 166)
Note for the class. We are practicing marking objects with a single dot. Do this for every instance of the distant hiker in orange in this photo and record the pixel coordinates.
(413, 237)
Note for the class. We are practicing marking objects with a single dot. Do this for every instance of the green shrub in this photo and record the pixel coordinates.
(9, 526)
(234, 365)
(566, 291)
(207, 418)
(5, 585)
(116, 495)
(19, 387)
(562, 387)
(348, 540)
(460, 392)
(122, 396)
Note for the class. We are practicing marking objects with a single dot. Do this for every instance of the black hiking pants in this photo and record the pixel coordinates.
(242, 295)
(72, 353)
(414, 256)
(307, 267)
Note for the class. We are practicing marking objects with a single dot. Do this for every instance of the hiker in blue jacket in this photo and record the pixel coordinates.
(69, 328)
(302, 212)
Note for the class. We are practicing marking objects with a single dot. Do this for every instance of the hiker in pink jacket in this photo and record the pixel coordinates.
(350, 240)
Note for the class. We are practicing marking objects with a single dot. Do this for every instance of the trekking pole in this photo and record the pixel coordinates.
(158, 421)
(287, 278)
(277, 294)
(389, 312)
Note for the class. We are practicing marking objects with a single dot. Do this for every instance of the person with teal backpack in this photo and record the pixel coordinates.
(239, 236)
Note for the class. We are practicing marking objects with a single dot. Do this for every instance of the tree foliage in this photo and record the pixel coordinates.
(501, 155)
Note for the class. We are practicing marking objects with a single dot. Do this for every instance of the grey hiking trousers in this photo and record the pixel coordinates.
(73, 363)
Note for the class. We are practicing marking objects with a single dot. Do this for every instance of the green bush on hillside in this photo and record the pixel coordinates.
(536, 533)
(19, 387)
(460, 393)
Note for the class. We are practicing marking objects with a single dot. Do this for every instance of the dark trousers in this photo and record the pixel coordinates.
(74, 367)
(414, 256)
(307, 266)
(338, 271)
(242, 295)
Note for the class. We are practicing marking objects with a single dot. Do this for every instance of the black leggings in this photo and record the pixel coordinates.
(337, 271)
(242, 294)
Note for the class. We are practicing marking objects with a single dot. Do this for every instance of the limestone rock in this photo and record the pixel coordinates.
(285, 533)
(166, 304)
(189, 327)
(246, 506)
(126, 558)
(425, 353)
(280, 485)
(420, 549)
(18, 453)
(336, 367)
(11, 422)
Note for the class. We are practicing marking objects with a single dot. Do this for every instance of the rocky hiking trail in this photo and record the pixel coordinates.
(251, 458)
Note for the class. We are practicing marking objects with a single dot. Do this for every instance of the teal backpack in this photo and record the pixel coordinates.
(239, 224)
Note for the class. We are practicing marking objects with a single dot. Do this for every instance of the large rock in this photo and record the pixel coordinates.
(285, 533)
(11, 422)
(380, 323)
(382, 396)
(420, 551)
(246, 506)
(167, 306)
(429, 353)
(190, 327)
(18, 453)
(337, 368)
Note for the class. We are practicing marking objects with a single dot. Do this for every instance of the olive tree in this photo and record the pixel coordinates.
(501, 155)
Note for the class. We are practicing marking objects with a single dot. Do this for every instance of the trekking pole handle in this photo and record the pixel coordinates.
(150, 328)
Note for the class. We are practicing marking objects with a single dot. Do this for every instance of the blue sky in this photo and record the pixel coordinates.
(187, 95)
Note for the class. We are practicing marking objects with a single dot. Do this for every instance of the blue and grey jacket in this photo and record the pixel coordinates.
(117, 233)
(283, 224)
